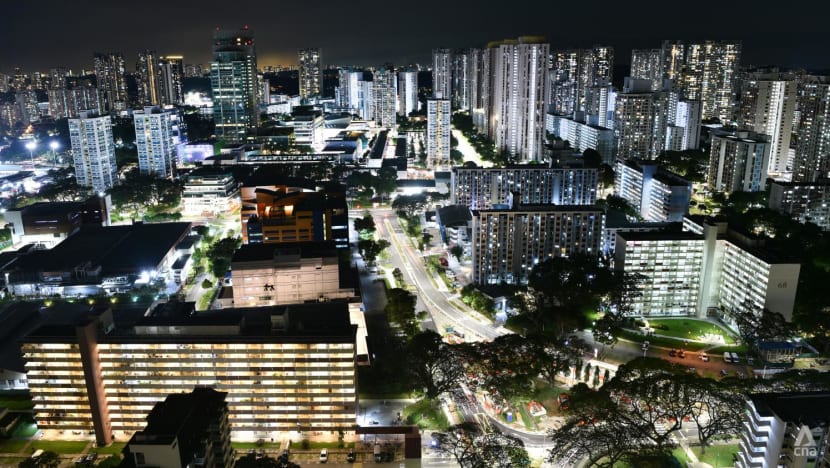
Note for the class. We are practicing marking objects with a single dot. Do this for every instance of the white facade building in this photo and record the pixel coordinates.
(582, 135)
(209, 193)
(738, 162)
(311, 72)
(93, 151)
(407, 92)
(155, 142)
(439, 112)
(442, 73)
(659, 195)
(768, 107)
(806, 202)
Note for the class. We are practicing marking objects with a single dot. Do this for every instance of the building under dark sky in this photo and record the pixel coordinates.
(37, 35)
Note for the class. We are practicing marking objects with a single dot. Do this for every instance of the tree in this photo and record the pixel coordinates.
(425, 239)
(551, 357)
(370, 249)
(220, 254)
(717, 409)
(386, 181)
(365, 226)
(409, 205)
(457, 251)
(755, 326)
(473, 448)
(400, 307)
(591, 158)
(435, 365)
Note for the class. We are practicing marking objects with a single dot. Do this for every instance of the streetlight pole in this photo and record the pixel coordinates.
(31, 147)
(54, 145)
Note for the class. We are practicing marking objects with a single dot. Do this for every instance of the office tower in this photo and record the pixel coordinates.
(311, 72)
(806, 202)
(738, 162)
(658, 194)
(438, 131)
(57, 77)
(154, 139)
(711, 76)
(647, 64)
(186, 429)
(69, 102)
(641, 119)
(408, 92)
(93, 151)
(461, 73)
(507, 244)
(384, 96)
(787, 430)
(482, 188)
(118, 370)
(519, 97)
(170, 73)
(146, 78)
(442, 72)
(109, 73)
(767, 106)
(27, 102)
(234, 84)
(671, 265)
(582, 135)
(349, 94)
(812, 149)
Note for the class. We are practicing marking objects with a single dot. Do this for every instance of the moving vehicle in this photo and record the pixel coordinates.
(704, 357)
(324, 455)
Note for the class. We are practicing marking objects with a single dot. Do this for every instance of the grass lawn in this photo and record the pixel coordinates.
(11, 461)
(527, 419)
(717, 455)
(733, 349)
(26, 427)
(12, 446)
(660, 341)
(112, 449)
(254, 445)
(16, 400)
(60, 446)
(427, 414)
(689, 328)
(321, 445)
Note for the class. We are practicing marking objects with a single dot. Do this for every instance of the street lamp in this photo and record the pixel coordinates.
(54, 145)
(31, 147)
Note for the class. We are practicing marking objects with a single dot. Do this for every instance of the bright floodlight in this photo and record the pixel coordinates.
(54, 145)
(31, 145)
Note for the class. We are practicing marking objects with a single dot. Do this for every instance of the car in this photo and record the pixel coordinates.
(324, 455)
(723, 372)
(704, 357)
(351, 457)
(673, 353)
(92, 456)
(251, 451)
(681, 354)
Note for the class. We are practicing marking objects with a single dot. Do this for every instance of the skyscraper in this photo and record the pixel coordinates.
(146, 79)
(234, 83)
(384, 96)
(738, 162)
(641, 119)
(576, 70)
(154, 139)
(519, 96)
(647, 64)
(438, 131)
(461, 73)
(109, 73)
(710, 76)
(311, 72)
(93, 151)
(170, 73)
(767, 106)
(673, 56)
(407, 92)
(812, 151)
(442, 72)
(69, 102)
(349, 93)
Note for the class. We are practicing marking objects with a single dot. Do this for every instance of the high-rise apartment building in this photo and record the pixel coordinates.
(673, 58)
(27, 102)
(384, 96)
(109, 74)
(442, 73)
(647, 64)
(582, 135)
(738, 162)
(684, 133)
(461, 75)
(806, 202)
(147, 78)
(311, 72)
(93, 151)
(170, 74)
(641, 119)
(233, 80)
(767, 106)
(349, 93)
(519, 97)
(57, 77)
(507, 244)
(480, 87)
(408, 92)
(284, 368)
(812, 149)
(439, 112)
(483, 188)
(711, 76)
(659, 195)
(573, 71)
(154, 140)
(69, 102)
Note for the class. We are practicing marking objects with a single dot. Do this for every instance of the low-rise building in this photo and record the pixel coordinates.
(185, 430)
(806, 202)
(209, 191)
(49, 223)
(786, 430)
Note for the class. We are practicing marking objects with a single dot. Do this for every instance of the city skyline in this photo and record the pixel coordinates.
(186, 30)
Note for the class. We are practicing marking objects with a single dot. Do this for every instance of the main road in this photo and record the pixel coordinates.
(436, 302)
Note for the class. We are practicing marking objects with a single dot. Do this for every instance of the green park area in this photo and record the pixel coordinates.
(60, 446)
(690, 329)
(718, 456)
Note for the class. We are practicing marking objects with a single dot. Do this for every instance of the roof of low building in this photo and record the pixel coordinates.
(810, 408)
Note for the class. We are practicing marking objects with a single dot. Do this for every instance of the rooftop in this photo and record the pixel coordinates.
(810, 408)
(260, 252)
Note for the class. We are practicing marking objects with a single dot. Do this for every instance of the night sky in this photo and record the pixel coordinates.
(43, 33)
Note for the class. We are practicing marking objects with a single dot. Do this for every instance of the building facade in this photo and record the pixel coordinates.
(710, 75)
(507, 244)
(408, 92)
(647, 64)
(209, 192)
(659, 195)
(234, 83)
(442, 73)
(93, 151)
(285, 369)
(767, 106)
(147, 78)
(812, 150)
(439, 113)
(483, 188)
(154, 139)
(68, 103)
(109, 74)
(311, 72)
(170, 74)
(384, 96)
(806, 202)
(738, 162)
(582, 135)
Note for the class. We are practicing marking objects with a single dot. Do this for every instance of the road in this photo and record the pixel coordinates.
(468, 151)
(404, 256)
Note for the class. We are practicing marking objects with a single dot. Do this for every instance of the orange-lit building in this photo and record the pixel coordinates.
(294, 210)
